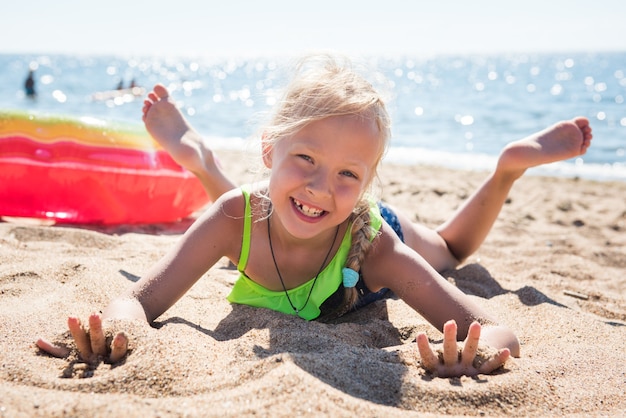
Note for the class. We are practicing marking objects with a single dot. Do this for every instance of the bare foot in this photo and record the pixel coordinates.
(566, 139)
(170, 129)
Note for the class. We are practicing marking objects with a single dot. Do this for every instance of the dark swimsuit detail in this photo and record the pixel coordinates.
(391, 218)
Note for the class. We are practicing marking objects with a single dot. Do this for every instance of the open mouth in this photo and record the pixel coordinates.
(307, 210)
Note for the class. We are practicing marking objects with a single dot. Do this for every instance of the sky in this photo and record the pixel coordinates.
(283, 27)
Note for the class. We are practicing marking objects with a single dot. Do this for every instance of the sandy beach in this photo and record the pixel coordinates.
(553, 269)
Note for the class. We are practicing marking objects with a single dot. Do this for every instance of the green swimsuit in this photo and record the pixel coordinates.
(248, 292)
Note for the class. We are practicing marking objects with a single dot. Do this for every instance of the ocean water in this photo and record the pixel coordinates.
(455, 111)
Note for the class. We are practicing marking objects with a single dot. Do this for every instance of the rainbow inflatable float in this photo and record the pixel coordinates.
(85, 170)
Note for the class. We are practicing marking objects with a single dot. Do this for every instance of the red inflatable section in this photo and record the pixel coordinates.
(88, 171)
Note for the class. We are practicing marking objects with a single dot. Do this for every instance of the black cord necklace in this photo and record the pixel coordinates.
(269, 238)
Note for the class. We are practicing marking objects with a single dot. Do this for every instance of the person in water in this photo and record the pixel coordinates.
(311, 240)
(29, 84)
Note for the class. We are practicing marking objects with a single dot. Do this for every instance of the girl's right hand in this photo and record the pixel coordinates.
(91, 344)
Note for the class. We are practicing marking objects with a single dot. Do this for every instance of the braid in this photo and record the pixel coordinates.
(362, 235)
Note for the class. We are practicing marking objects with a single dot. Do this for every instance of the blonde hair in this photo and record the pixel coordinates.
(362, 236)
(324, 86)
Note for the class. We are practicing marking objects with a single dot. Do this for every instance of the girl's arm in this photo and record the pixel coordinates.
(394, 265)
(204, 243)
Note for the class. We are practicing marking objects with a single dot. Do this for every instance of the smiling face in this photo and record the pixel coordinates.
(321, 172)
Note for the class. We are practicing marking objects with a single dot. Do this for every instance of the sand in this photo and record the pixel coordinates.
(553, 269)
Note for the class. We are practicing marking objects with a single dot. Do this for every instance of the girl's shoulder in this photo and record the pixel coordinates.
(225, 221)
(235, 203)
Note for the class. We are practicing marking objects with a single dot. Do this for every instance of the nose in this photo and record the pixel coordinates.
(319, 183)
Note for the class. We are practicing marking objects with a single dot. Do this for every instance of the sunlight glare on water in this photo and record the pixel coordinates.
(464, 106)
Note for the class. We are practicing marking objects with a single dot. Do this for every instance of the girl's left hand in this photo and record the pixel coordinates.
(456, 360)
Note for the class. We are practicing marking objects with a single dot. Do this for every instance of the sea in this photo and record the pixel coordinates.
(455, 111)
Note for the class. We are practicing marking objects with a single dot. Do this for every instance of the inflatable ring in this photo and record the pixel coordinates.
(85, 170)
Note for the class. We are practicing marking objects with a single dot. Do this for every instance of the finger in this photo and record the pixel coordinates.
(96, 335)
(450, 350)
(495, 362)
(471, 344)
(119, 347)
(80, 338)
(53, 350)
(428, 358)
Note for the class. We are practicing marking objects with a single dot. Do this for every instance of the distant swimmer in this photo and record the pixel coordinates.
(121, 93)
(29, 84)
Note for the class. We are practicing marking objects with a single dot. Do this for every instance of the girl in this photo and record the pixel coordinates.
(311, 242)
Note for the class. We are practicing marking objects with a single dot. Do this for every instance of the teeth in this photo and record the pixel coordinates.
(307, 210)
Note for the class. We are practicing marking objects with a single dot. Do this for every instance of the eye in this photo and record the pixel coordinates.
(350, 174)
(305, 157)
